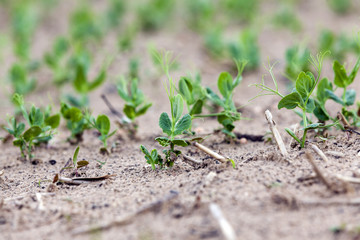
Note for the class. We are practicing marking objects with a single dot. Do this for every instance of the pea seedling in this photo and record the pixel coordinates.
(297, 60)
(41, 127)
(102, 124)
(135, 103)
(226, 85)
(75, 122)
(300, 97)
(75, 163)
(20, 80)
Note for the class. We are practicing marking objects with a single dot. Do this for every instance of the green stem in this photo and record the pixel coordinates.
(305, 131)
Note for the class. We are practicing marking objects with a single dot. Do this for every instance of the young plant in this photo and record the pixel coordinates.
(301, 97)
(297, 60)
(285, 17)
(226, 85)
(75, 163)
(135, 103)
(246, 49)
(152, 158)
(75, 122)
(41, 127)
(20, 80)
(102, 124)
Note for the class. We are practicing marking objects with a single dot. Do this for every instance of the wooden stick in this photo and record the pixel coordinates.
(188, 159)
(210, 152)
(319, 152)
(41, 206)
(347, 179)
(276, 133)
(122, 221)
(225, 226)
(317, 171)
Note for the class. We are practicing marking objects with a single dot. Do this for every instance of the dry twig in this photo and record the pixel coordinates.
(319, 152)
(225, 226)
(276, 133)
(319, 174)
(210, 152)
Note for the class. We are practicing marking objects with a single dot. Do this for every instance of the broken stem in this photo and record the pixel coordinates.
(210, 152)
(319, 152)
(319, 174)
(276, 133)
(225, 226)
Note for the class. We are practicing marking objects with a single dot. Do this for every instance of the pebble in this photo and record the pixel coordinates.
(243, 140)
(52, 162)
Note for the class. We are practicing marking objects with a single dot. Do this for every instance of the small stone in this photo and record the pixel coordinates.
(52, 162)
(243, 140)
(210, 178)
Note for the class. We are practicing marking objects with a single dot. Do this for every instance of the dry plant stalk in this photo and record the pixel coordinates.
(295, 130)
(225, 226)
(276, 133)
(210, 152)
(347, 179)
(319, 174)
(155, 207)
(78, 181)
(319, 152)
(190, 160)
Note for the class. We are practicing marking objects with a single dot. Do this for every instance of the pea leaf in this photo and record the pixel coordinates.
(165, 123)
(163, 141)
(143, 109)
(333, 97)
(53, 121)
(197, 107)
(183, 124)
(323, 85)
(310, 105)
(304, 84)
(225, 84)
(103, 124)
(129, 111)
(180, 142)
(185, 89)
(178, 107)
(350, 96)
(97, 81)
(75, 156)
(341, 78)
(81, 164)
(32, 133)
(291, 101)
(36, 117)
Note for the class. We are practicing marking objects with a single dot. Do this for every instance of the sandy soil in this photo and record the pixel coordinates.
(265, 197)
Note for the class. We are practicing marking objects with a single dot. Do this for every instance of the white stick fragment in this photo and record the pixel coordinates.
(276, 133)
(347, 179)
(186, 158)
(319, 152)
(319, 174)
(41, 203)
(211, 152)
(225, 226)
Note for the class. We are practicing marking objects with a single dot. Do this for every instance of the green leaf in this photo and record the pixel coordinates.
(123, 91)
(323, 85)
(225, 84)
(163, 141)
(36, 117)
(32, 133)
(354, 72)
(183, 124)
(333, 97)
(304, 85)
(75, 156)
(18, 142)
(143, 109)
(129, 111)
(165, 123)
(98, 80)
(18, 99)
(197, 107)
(53, 121)
(291, 101)
(341, 78)
(292, 134)
(310, 105)
(178, 107)
(350, 96)
(313, 126)
(321, 113)
(185, 89)
(214, 97)
(180, 142)
(103, 124)
(80, 83)
(144, 150)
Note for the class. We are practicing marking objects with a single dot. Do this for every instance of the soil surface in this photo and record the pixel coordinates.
(265, 197)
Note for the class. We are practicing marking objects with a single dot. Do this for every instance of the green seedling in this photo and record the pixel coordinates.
(339, 45)
(342, 80)
(153, 15)
(301, 97)
(114, 13)
(20, 80)
(126, 38)
(214, 42)
(75, 122)
(246, 49)
(226, 85)
(193, 93)
(84, 25)
(297, 60)
(243, 10)
(41, 127)
(102, 124)
(340, 6)
(285, 17)
(57, 61)
(135, 103)
(201, 14)
(152, 158)
(75, 163)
